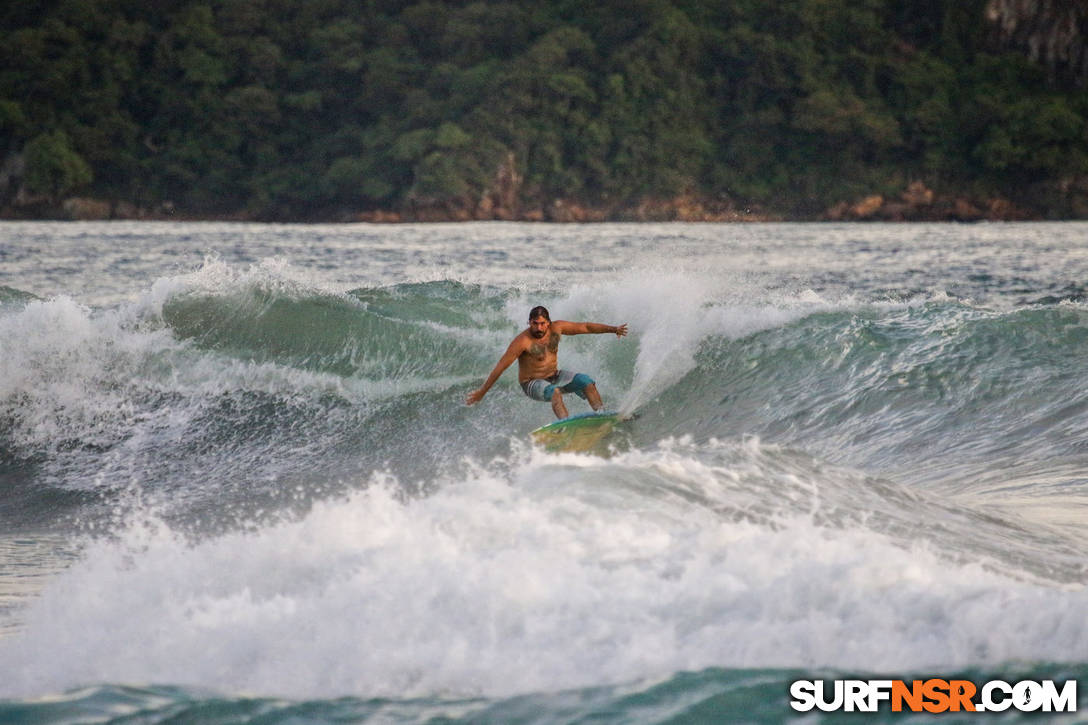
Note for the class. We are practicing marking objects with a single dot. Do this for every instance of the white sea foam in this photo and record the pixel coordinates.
(69, 373)
(669, 314)
(66, 371)
(565, 571)
(536, 572)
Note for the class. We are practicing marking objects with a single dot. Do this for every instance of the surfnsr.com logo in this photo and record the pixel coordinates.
(933, 695)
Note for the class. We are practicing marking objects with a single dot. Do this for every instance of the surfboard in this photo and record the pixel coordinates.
(578, 433)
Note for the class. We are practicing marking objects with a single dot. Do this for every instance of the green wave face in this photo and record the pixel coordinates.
(706, 696)
(888, 388)
(804, 489)
(253, 491)
(412, 330)
(379, 374)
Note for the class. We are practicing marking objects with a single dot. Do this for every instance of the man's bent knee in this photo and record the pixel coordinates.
(593, 396)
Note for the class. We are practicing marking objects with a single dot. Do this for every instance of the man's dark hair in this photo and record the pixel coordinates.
(539, 311)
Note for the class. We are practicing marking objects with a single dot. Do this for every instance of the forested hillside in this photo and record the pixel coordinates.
(535, 109)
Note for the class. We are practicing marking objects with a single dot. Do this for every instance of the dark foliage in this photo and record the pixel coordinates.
(308, 108)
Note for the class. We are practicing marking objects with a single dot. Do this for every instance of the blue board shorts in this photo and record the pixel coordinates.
(542, 389)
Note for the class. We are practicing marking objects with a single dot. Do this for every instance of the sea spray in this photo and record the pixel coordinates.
(566, 572)
(236, 458)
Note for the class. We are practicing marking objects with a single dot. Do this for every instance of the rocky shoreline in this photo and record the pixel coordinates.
(917, 203)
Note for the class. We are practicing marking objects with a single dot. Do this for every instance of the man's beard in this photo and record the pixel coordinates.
(538, 335)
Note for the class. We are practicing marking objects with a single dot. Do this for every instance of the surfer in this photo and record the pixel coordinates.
(536, 349)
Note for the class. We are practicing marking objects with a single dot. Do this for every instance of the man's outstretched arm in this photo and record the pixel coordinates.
(588, 328)
(504, 362)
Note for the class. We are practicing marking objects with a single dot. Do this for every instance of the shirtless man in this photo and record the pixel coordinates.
(536, 350)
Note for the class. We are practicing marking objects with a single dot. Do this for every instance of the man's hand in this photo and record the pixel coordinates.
(621, 330)
(474, 397)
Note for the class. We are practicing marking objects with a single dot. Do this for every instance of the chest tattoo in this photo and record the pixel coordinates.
(538, 351)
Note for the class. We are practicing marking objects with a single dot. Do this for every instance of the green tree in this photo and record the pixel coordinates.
(290, 109)
(655, 110)
(53, 168)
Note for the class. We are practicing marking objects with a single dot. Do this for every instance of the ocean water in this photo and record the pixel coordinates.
(238, 481)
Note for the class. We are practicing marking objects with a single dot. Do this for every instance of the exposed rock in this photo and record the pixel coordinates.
(501, 200)
(379, 217)
(127, 210)
(684, 208)
(687, 208)
(867, 207)
(485, 209)
(917, 195)
(507, 185)
(1005, 210)
(916, 203)
(919, 203)
(81, 209)
(838, 213)
(895, 211)
(559, 211)
(564, 211)
(27, 199)
(964, 211)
